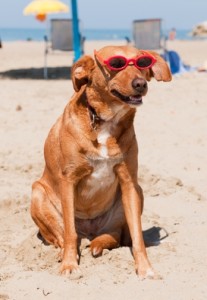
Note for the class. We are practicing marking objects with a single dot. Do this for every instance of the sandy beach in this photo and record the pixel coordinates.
(171, 130)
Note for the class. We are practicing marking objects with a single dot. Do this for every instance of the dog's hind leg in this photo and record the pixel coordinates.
(105, 241)
(109, 231)
(46, 216)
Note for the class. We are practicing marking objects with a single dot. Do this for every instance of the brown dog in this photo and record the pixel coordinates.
(89, 186)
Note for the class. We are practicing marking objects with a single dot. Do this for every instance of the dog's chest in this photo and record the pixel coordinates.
(102, 140)
(103, 175)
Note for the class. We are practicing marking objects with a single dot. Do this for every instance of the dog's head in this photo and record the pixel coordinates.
(120, 72)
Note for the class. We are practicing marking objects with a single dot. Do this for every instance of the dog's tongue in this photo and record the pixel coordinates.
(136, 99)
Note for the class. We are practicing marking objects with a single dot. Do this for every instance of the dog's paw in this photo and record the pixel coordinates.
(96, 249)
(147, 274)
(71, 270)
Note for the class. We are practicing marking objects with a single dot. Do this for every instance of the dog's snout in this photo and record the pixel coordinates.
(139, 84)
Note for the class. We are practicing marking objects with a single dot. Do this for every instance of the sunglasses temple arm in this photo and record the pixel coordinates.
(148, 52)
(98, 57)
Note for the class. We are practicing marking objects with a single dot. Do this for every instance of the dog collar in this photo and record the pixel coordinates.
(95, 119)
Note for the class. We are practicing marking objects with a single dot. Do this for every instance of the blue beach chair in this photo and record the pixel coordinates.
(175, 62)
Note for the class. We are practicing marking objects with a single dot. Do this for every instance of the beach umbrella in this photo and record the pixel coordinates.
(200, 30)
(41, 8)
(76, 34)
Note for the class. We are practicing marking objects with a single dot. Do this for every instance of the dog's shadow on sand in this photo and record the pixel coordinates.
(154, 236)
(37, 73)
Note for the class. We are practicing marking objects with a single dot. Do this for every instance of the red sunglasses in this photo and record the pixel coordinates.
(118, 62)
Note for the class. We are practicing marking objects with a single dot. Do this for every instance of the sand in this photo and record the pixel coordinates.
(172, 132)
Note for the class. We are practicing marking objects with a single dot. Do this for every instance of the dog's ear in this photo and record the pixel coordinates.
(81, 71)
(160, 70)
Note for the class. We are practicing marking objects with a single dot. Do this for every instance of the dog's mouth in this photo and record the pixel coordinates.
(134, 99)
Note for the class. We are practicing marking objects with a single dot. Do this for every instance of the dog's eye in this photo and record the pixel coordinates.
(144, 62)
(117, 62)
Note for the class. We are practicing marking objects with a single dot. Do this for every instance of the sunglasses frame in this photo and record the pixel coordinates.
(127, 60)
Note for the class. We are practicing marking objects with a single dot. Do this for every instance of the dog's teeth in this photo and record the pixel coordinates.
(136, 99)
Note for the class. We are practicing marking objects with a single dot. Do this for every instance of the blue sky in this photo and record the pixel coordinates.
(114, 14)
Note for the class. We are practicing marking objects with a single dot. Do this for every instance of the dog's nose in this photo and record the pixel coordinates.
(139, 84)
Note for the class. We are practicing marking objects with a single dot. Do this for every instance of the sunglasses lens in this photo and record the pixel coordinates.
(117, 62)
(144, 62)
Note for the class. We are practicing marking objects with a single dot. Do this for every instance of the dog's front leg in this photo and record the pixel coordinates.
(70, 256)
(132, 203)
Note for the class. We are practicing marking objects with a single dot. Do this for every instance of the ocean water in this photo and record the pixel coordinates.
(15, 34)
